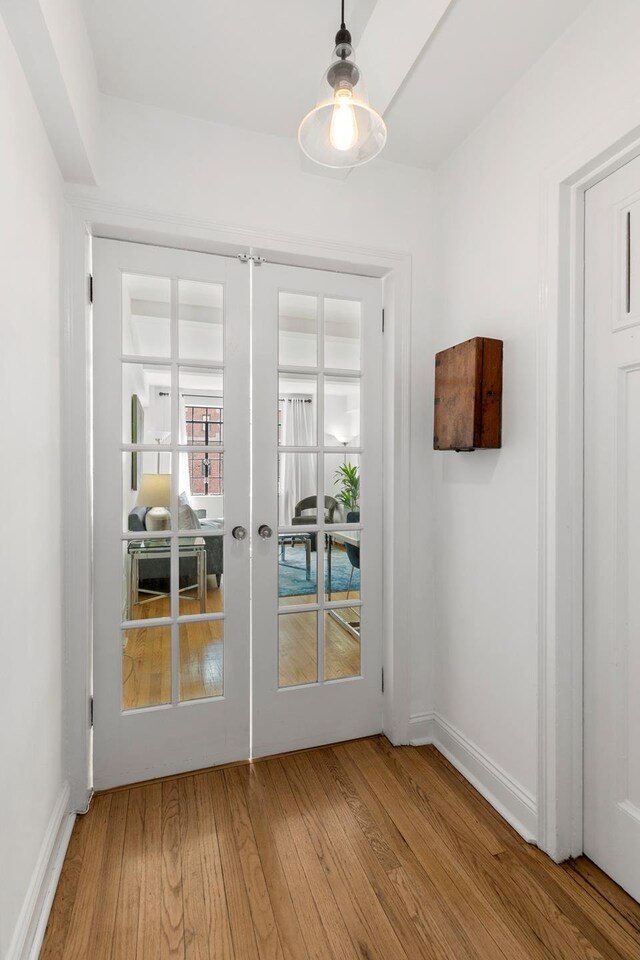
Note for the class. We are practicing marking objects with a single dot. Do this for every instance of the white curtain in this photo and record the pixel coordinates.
(183, 477)
(297, 472)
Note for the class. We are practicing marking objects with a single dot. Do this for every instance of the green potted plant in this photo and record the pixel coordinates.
(348, 477)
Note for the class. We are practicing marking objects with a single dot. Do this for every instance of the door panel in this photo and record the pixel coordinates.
(612, 526)
(317, 582)
(171, 627)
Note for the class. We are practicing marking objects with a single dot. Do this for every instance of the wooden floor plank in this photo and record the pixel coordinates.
(356, 851)
(125, 931)
(219, 932)
(240, 921)
(291, 938)
(149, 917)
(340, 938)
(62, 908)
(393, 883)
(172, 917)
(194, 892)
(412, 816)
(378, 863)
(433, 886)
(362, 912)
(291, 855)
(526, 915)
(264, 924)
(78, 941)
(104, 916)
(622, 908)
(584, 910)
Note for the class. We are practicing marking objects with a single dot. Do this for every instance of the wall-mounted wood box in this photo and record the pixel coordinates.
(468, 396)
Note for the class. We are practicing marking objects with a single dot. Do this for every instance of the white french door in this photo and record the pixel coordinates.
(237, 510)
(612, 527)
(171, 647)
(316, 653)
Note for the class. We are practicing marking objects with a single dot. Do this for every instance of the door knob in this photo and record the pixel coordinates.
(265, 531)
(239, 533)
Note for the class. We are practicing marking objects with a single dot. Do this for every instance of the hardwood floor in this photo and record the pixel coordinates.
(146, 654)
(359, 850)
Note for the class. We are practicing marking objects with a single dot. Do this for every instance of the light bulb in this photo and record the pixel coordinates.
(343, 133)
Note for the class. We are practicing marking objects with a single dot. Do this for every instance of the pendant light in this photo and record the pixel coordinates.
(342, 130)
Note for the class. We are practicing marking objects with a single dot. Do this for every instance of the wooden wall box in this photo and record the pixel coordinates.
(468, 396)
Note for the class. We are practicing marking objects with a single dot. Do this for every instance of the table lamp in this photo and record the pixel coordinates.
(155, 493)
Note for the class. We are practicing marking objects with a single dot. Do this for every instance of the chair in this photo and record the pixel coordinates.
(353, 552)
(311, 503)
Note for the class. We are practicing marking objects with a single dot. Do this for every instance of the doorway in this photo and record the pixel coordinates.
(612, 526)
(238, 505)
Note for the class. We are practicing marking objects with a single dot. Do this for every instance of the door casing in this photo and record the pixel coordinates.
(87, 219)
(560, 477)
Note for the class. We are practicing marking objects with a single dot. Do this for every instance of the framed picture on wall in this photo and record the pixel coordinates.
(137, 436)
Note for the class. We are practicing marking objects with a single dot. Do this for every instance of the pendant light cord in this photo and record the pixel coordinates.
(342, 26)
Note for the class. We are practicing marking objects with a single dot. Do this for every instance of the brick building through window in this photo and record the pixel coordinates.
(205, 426)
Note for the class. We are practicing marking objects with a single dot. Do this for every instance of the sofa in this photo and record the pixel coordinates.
(154, 573)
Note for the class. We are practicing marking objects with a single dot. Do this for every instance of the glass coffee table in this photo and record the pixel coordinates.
(141, 550)
(290, 539)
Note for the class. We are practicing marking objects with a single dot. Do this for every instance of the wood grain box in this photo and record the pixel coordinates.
(468, 396)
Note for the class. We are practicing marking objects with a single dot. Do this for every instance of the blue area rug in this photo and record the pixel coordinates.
(292, 573)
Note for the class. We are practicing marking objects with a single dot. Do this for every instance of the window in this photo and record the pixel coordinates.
(205, 428)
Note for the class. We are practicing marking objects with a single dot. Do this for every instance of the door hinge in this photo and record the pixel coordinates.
(90, 288)
(249, 258)
(90, 711)
(382, 679)
(383, 319)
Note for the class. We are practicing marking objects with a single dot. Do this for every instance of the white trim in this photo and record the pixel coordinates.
(560, 476)
(506, 795)
(89, 217)
(32, 922)
(77, 508)
(422, 729)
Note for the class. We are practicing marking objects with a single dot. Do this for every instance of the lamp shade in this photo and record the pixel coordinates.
(342, 130)
(155, 490)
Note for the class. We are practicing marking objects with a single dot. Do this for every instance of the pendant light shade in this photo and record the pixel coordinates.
(342, 130)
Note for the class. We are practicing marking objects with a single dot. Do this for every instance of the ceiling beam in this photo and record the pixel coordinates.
(53, 47)
(394, 38)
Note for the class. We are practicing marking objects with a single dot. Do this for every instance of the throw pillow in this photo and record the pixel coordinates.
(187, 517)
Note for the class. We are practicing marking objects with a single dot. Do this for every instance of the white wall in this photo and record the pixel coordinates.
(489, 240)
(30, 548)
(167, 163)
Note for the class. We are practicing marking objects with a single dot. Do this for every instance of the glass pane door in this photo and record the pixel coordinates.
(317, 487)
(171, 467)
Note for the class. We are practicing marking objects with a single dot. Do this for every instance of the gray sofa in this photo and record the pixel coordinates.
(154, 574)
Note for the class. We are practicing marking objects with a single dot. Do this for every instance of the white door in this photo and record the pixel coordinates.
(317, 574)
(612, 527)
(171, 416)
(229, 398)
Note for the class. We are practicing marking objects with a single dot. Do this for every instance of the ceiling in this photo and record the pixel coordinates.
(257, 65)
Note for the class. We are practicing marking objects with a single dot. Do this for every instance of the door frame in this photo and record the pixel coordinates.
(85, 219)
(561, 381)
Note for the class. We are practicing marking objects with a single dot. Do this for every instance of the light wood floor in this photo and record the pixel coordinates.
(356, 851)
(146, 655)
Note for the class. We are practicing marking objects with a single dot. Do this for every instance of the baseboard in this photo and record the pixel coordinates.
(422, 729)
(506, 795)
(32, 922)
